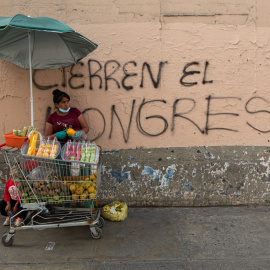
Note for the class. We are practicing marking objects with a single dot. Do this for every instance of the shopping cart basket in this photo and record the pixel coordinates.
(51, 196)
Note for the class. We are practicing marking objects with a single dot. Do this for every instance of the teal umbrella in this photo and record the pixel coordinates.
(41, 43)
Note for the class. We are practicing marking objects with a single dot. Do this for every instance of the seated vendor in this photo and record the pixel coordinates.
(63, 118)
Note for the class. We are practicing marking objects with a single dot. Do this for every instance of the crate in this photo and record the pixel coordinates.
(13, 140)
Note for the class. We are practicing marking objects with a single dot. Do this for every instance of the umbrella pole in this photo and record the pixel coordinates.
(31, 88)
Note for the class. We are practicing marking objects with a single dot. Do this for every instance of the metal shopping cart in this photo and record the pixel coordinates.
(54, 193)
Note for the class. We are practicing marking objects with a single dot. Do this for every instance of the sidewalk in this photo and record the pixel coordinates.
(151, 238)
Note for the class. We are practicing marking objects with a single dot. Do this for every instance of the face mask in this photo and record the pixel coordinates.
(64, 111)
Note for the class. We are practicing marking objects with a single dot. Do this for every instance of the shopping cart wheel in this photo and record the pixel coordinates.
(100, 222)
(95, 232)
(7, 239)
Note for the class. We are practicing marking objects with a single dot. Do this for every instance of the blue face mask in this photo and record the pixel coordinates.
(64, 111)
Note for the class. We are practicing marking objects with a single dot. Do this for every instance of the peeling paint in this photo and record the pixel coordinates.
(209, 155)
(169, 174)
(203, 169)
(188, 186)
(132, 186)
(119, 175)
(158, 179)
(135, 164)
(193, 181)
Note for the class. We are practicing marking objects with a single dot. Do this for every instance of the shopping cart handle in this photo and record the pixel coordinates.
(2, 145)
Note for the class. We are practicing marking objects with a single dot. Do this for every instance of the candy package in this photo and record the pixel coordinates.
(80, 151)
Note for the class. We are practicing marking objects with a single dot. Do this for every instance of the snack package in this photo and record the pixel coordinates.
(54, 149)
(24, 132)
(78, 151)
(29, 129)
(83, 152)
(33, 142)
(47, 149)
(41, 149)
(88, 152)
(68, 150)
(73, 151)
(92, 153)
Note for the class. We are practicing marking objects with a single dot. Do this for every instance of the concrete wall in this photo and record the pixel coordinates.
(187, 176)
(182, 75)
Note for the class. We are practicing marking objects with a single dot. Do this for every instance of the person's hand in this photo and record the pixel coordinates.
(8, 207)
(61, 134)
(77, 135)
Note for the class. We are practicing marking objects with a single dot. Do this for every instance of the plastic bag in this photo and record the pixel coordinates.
(54, 149)
(41, 149)
(33, 137)
(115, 211)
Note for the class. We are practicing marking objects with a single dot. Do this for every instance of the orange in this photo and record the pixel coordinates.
(94, 185)
(71, 131)
(91, 189)
(83, 196)
(75, 197)
(87, 185)
(72, 188)
(79, 190)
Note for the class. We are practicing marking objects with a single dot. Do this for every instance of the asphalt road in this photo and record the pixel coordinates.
(151, 238)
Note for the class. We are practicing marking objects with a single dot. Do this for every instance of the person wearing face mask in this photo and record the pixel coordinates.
(63, 118)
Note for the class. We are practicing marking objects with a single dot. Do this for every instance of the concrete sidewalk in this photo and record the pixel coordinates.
(152, 238)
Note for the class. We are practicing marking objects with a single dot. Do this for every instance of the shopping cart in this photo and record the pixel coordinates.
(54, 193)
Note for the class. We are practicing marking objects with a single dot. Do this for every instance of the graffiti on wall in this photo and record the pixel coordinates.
(113, 75)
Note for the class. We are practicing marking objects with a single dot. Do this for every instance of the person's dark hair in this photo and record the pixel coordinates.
(58, 95)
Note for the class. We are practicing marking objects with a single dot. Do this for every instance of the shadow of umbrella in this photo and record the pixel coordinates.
(41, 43)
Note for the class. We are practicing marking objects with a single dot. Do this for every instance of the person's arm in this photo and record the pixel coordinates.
(6, 193)
(8, 206)
(15, 208)
(7, 197)
(83, 124)
(49, 131)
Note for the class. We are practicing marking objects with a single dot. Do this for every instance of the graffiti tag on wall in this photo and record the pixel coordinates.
(106, 77)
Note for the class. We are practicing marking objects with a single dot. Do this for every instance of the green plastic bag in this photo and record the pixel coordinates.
(115, 211)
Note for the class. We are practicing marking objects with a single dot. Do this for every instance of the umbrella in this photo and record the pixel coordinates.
(41, 43)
